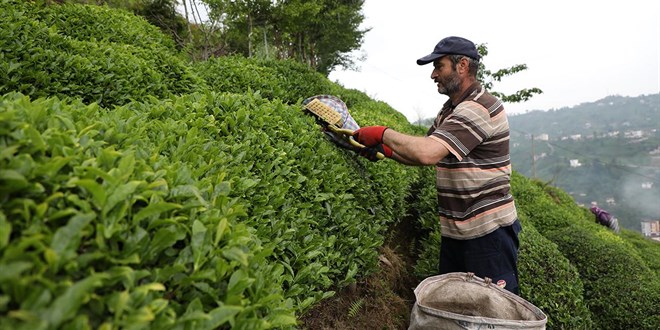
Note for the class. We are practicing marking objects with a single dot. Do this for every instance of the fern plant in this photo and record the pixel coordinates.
(355, 307)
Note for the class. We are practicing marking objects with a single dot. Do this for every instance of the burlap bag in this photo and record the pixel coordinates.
(465, 301)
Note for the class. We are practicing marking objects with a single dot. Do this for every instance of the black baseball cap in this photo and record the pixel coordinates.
(451, 45)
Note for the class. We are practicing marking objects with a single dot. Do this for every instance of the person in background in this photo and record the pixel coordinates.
(468, 143)
(604, 218)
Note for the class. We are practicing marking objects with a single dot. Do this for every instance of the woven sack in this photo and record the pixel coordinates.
(465, 301)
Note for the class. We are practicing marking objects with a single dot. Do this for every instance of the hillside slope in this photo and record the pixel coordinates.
(606, 151)
(131, 198)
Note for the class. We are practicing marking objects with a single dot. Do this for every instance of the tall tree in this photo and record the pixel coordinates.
(243, 20)
(321, 33)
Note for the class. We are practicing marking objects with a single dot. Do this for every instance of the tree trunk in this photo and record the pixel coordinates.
(249, 35)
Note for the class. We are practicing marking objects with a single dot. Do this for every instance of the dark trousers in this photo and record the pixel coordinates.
(494, 256)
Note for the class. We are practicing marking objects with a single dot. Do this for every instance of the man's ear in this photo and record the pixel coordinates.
(463, 65)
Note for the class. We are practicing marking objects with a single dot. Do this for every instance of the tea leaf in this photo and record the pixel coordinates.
(97, 190)
(5, 230)
(119, 195)
(154, 209)
(66, 239)
(66, 305)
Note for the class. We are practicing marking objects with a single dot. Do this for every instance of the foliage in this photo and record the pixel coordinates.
(226, 207)
(550, 281)
(355, 307)
(316, 234)
(488, 78)
(321, 34)
(287, 80)
(608, 265)
(608, 268)
(428, 226)
(648, 249)
(103, 24)
(39, 61)
(104, 230)
(163, 14)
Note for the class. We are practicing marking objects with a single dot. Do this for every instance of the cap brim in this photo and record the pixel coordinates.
(429, 58)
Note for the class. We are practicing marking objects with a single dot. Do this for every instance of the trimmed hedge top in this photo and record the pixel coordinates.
(207, 199)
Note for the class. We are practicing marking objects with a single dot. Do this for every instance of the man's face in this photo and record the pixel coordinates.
(445, 76)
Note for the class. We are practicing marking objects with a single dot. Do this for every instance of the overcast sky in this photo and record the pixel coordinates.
(576, 51)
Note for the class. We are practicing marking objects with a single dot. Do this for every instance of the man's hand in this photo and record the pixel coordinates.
(372, 153)
(370, 136)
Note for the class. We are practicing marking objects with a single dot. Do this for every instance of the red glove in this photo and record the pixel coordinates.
(370, 136)
(372, 153)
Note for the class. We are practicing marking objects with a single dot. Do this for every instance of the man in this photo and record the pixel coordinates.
(469, 145)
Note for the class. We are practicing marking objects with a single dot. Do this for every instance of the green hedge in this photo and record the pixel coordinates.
(91, 187)
(104, 24)
(648, 249)
(216, 210)
(620, 288)
(288, 81)
(550, 281)
(38, 61)
(100, 229)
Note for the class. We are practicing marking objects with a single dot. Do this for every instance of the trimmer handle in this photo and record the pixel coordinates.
(349, 134)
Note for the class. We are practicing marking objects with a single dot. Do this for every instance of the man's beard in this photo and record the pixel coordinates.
(450, 85)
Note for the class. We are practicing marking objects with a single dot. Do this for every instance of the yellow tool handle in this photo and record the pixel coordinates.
(349, 134)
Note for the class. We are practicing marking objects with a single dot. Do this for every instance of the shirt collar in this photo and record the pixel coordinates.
(472, 89)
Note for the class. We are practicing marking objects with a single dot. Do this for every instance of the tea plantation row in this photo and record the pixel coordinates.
(139, 191)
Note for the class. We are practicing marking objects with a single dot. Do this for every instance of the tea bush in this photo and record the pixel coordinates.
(619, 286)
(38, 61)
(103, 24)
(288, 81)
(101, 230)
(166, 195)
(648, 249)
(550, 281)
(307, 217)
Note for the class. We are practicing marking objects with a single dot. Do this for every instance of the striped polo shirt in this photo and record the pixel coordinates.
(473, 181)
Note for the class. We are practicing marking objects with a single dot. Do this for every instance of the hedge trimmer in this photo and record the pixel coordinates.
(332, 113)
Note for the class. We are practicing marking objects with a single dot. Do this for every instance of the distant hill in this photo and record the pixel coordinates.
(606, 151)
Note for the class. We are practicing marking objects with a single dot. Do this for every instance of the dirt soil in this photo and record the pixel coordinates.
(381, 301)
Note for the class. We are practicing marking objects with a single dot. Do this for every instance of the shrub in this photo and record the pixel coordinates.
(313, 214)
(99, 229)
(288, 81)
(103, 24)
(618, 285)
(649, 250)
(619, 288)
(37, 61)
(549, 281)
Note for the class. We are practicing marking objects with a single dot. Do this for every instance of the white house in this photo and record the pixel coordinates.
(575, 163)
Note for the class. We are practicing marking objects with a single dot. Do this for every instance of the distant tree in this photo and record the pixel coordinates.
(322, 33)
(242, 20)
(163, 14)
(488, 78)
